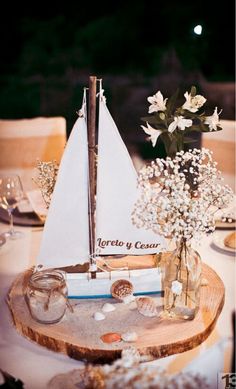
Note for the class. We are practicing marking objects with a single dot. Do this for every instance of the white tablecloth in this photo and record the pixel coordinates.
(36, 365)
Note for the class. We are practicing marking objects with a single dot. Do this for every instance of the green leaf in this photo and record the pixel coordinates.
(171, 103)
(189, 140)
(152, 120)
(146, 118)
(193, 91)
(191, 115)
(196, 128)
(169, 143)
(173, 149)
(165, 137)
(157, 124)
(204, 128)
(179, 140)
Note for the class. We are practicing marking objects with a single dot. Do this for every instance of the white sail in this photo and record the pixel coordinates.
(116, 195)
(66, 233)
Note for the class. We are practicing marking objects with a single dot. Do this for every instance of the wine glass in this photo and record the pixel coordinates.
(11, 192)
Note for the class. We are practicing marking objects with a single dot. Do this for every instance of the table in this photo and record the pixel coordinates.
(35, 365)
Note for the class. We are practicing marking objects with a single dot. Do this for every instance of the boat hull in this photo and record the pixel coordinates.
(82, 286)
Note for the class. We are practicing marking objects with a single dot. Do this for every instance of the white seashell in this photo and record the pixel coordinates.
(129, 336)
(98, 316)
(146, 306)
(107, 307)
(128, 299)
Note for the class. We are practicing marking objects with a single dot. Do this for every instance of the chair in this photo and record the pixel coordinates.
(222, 143)
(24, 141)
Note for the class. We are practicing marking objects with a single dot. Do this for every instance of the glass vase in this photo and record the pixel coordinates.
(181, 282)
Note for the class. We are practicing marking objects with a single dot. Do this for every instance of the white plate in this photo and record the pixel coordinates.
(219, 242)
(225, 225)
(223, 216)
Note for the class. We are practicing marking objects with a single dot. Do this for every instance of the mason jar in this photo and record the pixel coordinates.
(46, 296)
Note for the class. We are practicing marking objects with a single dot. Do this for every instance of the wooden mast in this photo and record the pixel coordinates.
(92, 161)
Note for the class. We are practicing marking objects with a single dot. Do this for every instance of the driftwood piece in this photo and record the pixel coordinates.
(78, 334)
(92, 159)
(119, 261)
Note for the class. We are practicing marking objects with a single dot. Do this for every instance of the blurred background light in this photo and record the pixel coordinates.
(198, 29)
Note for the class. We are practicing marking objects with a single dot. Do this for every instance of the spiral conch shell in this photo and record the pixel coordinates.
(121, 289)
(146, 306)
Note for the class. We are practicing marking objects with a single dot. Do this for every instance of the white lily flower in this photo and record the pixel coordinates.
(176, 287)
(179, 122)
(213, 120)
(193, 103)
(157, 103)
(154, 134)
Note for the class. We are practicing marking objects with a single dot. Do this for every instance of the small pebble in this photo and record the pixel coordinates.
(129, 336)
(107, 307)
(98, 316)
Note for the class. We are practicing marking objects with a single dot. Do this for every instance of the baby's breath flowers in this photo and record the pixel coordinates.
(128, 373)
(173, 124)
(178, 199)
(46, 179)
(180, 196)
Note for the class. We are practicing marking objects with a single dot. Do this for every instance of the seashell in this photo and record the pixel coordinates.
(129, 336)
(146, 306)
(111, 337)
(128, 299)
(121, 289)
(107, 307)
(98, 316)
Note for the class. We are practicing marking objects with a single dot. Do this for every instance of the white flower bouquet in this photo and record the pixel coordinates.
(180, 195)
(173, 124)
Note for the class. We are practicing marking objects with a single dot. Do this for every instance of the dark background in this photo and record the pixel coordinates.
(137, 47)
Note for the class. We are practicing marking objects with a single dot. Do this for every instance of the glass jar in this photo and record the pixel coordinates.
(46, 296)
(181, 277)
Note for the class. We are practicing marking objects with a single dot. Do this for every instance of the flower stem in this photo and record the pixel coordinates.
(186, 293)
(182, 251)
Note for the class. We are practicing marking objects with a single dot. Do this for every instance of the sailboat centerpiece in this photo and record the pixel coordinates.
(89, 218)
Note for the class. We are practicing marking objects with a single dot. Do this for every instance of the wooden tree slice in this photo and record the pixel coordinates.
(79, 336)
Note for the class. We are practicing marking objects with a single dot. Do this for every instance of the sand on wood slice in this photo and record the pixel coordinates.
(79, 336)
